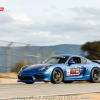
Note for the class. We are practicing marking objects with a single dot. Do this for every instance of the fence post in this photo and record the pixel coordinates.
(25, 54)
(8, 59)
(51, 53)
(39, 55)
(38, 58)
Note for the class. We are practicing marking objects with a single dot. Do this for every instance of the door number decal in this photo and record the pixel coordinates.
(73, 71)
(68, 71)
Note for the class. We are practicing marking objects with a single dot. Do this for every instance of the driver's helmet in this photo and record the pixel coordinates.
(71, 59)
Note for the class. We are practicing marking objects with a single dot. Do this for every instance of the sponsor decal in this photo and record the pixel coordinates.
(73, 71)
(68, 71)
(1, 8)
(60, 56)
(1, 5)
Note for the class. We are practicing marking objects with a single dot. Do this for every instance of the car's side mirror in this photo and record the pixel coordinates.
(71, 62)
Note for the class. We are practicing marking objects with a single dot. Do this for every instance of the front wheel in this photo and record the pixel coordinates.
(95, 75)
(29, 82)
(57, 76)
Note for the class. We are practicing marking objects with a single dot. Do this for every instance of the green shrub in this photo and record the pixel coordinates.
(19, 65)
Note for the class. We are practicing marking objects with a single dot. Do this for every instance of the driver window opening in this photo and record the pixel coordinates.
(75, 59)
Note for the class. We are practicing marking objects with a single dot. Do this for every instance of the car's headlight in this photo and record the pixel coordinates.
(44, 68)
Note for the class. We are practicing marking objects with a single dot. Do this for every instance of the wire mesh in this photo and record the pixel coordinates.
(13, 52)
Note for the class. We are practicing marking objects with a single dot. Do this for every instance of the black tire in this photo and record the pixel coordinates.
(95, 75)
(57, 76)
(68, 81)
(29, 82)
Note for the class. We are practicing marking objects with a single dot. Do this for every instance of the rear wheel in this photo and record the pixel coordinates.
(29, 82)
(68, 81)
(95, 75)
(57, 76)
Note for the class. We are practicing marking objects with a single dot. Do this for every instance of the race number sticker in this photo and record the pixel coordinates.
(68, 71)
(75, 70)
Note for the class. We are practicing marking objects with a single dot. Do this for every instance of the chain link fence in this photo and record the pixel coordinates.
(12, 52)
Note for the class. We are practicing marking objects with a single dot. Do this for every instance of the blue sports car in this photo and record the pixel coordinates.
(61, 68)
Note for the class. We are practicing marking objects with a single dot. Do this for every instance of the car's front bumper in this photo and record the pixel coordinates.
(37, 76)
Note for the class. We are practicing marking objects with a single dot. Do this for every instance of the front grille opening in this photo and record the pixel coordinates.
(26, 78)
(39, 76)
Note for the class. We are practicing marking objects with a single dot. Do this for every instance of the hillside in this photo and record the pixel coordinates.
(67, 49)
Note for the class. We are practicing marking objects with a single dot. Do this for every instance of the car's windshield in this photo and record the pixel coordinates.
(56, 60)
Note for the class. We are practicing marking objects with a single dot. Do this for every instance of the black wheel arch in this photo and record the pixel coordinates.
(60, 69)
(93, 68)
(91, 71)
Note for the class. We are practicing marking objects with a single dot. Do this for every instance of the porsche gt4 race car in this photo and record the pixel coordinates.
(61, 68)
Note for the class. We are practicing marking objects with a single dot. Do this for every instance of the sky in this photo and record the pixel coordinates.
(50, 22)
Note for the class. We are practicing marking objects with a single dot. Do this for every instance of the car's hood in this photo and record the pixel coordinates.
(33, 68)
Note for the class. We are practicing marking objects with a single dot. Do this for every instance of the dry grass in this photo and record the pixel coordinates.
(11, 75)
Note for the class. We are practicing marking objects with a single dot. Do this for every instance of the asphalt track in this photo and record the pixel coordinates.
(45, 89)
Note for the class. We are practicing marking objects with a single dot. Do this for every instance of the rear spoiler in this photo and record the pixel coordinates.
(96, 61)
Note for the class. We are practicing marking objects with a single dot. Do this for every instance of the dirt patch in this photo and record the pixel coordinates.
(8, 81)
(10, 75)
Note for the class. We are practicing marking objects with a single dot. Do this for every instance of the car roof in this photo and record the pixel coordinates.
(68, 55)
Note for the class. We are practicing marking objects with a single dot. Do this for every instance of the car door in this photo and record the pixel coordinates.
(75, 71)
